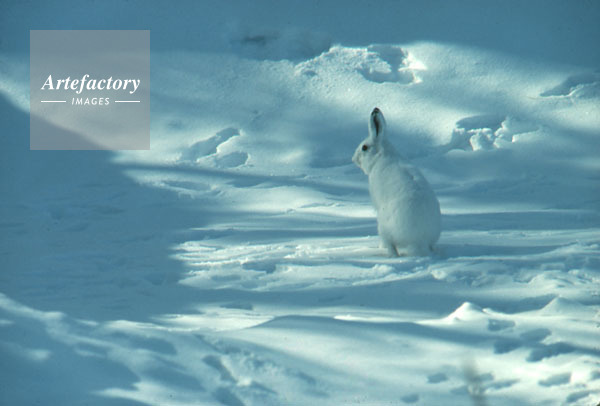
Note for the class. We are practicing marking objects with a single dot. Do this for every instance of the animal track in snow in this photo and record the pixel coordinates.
(506, 345)
(437, 378)
(290, 43)
(533, 339)
(215, 362)
(387, 63)
(376, 63)
(214, 150)
(551, 350)
(498, 325)
(411, 398)
(226, 397)
(487, 132)
(584, 85)
(210, 145)
(575, 396)
(536, 335)
(555, 380)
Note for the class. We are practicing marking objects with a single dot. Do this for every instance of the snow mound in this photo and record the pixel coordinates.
(466, 311)
(375, 63)
(566, 307)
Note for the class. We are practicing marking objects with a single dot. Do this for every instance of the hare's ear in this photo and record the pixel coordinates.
(376, 124)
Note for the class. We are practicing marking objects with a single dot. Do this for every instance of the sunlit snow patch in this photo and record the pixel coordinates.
(488, 132)
(376, 63)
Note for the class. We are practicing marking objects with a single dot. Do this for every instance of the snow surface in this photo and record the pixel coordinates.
(237, 262)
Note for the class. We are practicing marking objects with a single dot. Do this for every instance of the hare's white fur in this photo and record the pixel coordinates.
(408, 212)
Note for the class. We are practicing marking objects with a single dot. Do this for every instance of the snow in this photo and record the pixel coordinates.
(237, 262)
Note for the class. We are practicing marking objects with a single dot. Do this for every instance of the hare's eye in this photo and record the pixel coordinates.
(365, 147)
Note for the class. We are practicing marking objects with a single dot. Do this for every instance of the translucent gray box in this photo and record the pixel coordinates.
(89, 90)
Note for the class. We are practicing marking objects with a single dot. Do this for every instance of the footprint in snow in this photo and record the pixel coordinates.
(235, 362)
(536, 335)
(412, 398)
(542, 351)
(437, 378)
(288, 43)
(226, 397)
(215, 362)
(215, 150)
(487, 132)
(533, 339)
(498, 325)
(576, 396)
(238, 306)
(584, 86)
(376, 63)
(506, 345)
(388, 63)
(555, 380)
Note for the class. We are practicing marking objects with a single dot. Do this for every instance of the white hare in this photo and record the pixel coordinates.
(408, 212)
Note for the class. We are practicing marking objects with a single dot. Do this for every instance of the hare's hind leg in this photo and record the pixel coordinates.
(389, 247)
(386, 241)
